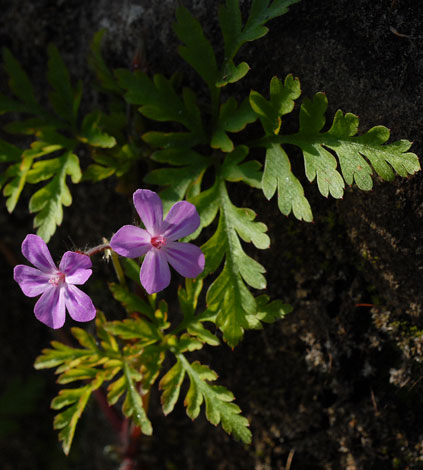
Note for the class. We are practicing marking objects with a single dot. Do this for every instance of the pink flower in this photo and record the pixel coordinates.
(157, 241)
(57, 285)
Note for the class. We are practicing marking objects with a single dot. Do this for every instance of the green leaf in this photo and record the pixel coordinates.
(181, 181)
(356, 154)
(269, 312)
(278, 175)
(228, 295)
(133, 406)
(96, 173)
(232, 73)
(92, 133)
(97, 64)
(9, 105)
(282, 96)
(197, 50)
(231, 119)
(171, 386)
(62, 354)
(159, 101)
(115, 390)
(47, 202)
(152, 359)
(131, 269)
(235, 34)
(9, 153)
(20, 85)
(198, 330)
(30, 126)
(77, 373)
(143, 331)
(64, 99)
(249, 172)
(67, 420)
(167, 140)
(17, 175)
(188, 297)
(131, 302)
(218, 400)
(117, 161)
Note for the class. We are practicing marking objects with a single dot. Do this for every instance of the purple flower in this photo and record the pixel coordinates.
(157, 241)
(57, 285)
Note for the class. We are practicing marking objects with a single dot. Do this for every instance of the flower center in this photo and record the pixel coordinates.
(158, 241)
(57, 279)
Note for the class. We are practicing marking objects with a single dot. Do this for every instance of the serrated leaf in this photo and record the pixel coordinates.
(167, 140)
(249, 172)
(133, 405)
(231, 119)
(261, 12)
(188, 297)
(117, 161)
(171, 385)
(93, 134)
(228, 295)
(278, 175)
(356, 154)
(64, 99)
(9, 105)
(67, 420)
(204, 335)
(47, 202)
(235, 34)
(151, 362)
(282, 96)
(97, 64)
(77, 373)
(116, 389)
(159, 101)
(9, 152)
(19, 83)
(219, 401)
(16, 175)
(131, 302)
(96, 173)
(143, 331)
(178, 181)
(30, 126)
(197, 50)
(270, 312)
(61, 354)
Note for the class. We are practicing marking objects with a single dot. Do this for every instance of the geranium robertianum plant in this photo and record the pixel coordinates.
(126, 358)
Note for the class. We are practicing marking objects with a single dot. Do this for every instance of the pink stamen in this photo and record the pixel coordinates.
(57, 279)
(158, 241)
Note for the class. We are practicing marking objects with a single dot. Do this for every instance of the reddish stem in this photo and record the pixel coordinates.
(97, 249)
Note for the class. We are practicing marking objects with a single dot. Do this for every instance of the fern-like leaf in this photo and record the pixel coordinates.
(47, 202)
(228, 296)
(235, 34)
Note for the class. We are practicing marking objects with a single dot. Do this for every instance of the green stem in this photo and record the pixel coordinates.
(118, 268)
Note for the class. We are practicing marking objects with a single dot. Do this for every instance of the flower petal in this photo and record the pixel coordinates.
(131, 241)
(32, 281)
(35, 250)
(185, 258)
(155, 272)
(50, 308)
(79, 304)
(150, 209)
(182, 220)
(76, 267)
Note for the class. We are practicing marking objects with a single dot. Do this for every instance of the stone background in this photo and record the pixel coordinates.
(334, 386)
